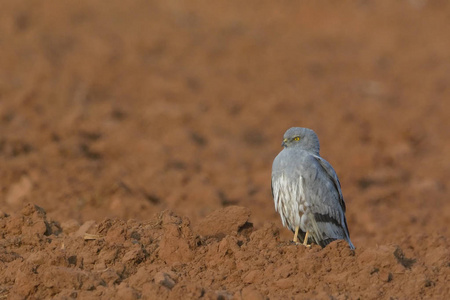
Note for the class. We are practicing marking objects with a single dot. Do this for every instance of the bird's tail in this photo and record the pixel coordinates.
(327, 229)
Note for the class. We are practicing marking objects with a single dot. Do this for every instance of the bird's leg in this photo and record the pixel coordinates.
(305, 241)
(296, 235)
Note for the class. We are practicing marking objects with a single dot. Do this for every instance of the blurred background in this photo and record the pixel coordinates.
(125, 109)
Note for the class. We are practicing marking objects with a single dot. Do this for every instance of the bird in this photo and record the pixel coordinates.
(307, 192)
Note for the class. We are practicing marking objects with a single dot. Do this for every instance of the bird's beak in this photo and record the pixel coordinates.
(283, 144)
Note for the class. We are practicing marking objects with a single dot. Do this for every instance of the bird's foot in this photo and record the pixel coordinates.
(295, 240)
(305, 241)
(299, 244)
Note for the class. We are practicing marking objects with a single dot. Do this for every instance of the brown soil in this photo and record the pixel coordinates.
(136, 143)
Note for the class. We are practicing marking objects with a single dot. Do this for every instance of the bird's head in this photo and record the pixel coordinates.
(302, 138)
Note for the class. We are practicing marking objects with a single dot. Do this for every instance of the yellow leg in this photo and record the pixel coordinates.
(296, 235)
(305, 241)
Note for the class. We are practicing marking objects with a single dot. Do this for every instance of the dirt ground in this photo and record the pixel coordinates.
(137, 138)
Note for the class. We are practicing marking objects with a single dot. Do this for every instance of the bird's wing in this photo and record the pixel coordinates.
(333, 177)
(327, 206)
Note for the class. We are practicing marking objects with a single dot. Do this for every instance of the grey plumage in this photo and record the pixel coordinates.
(306, 190)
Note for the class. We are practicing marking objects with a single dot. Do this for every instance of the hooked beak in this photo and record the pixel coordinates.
(283, 144)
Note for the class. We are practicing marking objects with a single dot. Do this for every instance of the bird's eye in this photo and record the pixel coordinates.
(297, 139)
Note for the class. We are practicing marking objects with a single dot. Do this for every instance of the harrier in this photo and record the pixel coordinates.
(307, 192)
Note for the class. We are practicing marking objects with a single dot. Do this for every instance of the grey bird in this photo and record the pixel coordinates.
(307, 192)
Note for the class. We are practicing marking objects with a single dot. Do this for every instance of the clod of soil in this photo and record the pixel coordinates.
(166, 258)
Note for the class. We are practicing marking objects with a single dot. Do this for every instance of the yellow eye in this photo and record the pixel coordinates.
(297, 139)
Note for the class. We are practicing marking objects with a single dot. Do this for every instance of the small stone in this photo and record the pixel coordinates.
(165, 280)
(84, 228)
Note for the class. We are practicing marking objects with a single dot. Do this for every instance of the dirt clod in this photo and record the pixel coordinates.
(166, 257)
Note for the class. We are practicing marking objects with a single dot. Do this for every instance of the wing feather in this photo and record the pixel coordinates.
(327, 212)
